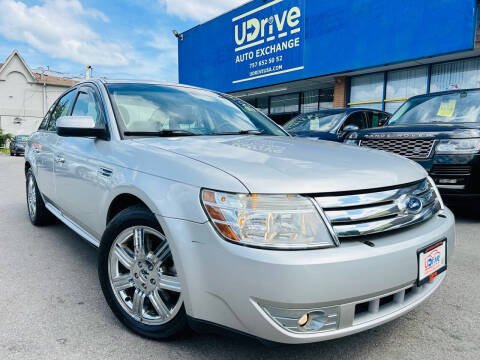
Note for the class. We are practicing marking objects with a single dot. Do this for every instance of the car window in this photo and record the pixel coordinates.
(356, 119)
(456, 107)
(314, 122)
(383, 118)
(43, 125)
(87, 104)
(376, 118)
(61, 109)
(154, 108)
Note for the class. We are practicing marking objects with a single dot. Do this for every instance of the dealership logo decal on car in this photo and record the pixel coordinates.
(432, 261)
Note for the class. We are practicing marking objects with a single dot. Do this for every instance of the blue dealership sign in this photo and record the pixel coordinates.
(269, 42)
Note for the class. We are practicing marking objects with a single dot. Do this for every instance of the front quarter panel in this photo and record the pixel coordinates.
(30, 157)
(168, 183)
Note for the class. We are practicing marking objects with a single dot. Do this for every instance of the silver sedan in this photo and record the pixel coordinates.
(206, 212)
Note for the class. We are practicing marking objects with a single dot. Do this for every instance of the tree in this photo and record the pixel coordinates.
(4, 138)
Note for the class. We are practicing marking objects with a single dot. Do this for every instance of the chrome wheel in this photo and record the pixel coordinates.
(31, 197)
(143, 277)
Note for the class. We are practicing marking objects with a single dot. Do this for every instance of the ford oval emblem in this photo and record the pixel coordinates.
(413, 205)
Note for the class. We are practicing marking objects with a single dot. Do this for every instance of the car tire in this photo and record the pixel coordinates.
(145, 319)
(38, 213)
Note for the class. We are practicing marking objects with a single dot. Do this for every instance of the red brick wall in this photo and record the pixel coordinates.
(340, 92)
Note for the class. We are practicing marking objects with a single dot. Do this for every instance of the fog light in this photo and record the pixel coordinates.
(316, 321)
(304, 320)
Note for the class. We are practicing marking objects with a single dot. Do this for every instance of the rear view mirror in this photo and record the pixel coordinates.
(80, 126)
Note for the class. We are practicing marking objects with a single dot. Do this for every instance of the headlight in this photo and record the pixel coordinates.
(435, 188)
(458, 146)
(266, 221)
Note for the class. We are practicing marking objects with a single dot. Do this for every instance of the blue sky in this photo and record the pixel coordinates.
(119, 38)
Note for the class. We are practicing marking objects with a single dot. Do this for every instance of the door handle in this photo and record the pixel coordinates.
(59, 159)
(105, 172)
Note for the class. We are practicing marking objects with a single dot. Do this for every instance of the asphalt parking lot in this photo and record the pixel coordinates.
(52, 307)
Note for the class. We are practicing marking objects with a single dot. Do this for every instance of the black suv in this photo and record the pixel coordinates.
(440, 131)
(17, 145)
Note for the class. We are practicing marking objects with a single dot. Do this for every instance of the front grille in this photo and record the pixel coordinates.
(382, 305)
(376, 212)
(411, 148)
(451, 169)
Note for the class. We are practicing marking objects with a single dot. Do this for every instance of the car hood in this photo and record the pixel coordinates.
(278, 164)
(437, 131)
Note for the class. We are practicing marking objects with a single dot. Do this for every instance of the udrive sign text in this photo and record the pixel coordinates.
(269, 40)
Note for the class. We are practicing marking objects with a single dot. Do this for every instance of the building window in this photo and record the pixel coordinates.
(402, 84)
(310, 101)
(262, 105)
(462, 74)
(313, 100)
(283, 104)
(367, 91)
(325, 99)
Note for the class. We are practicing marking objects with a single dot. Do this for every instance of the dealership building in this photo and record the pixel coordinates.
(293, 56)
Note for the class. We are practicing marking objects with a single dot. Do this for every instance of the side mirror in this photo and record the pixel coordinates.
(350, 128)
(347, 130)
(80, 126)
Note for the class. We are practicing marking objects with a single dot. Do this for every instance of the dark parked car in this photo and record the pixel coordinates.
(335, 124)
(17, 145)
(441, 132)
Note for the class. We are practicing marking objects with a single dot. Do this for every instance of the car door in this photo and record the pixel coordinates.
(80, 174)
(43, 146)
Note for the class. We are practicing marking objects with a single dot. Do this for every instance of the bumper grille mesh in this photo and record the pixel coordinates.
(451, 169)
(411, 148)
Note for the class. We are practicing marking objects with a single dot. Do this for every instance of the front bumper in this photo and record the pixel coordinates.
(231, 285)
(457, 176)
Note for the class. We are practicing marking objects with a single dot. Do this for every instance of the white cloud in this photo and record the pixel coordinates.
(201, 10)
(59, 28)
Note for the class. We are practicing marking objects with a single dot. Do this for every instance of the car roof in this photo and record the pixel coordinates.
(339, 111)
(447, 92)
(146, 82)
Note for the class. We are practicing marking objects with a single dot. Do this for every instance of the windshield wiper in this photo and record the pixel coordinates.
(241, 132)
(161, 133)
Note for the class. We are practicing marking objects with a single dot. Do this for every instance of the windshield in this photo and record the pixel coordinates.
(21, 137)
(458, 107)
(172, 111)
(314, 122)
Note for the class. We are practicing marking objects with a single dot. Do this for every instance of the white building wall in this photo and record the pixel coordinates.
(23, 101)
